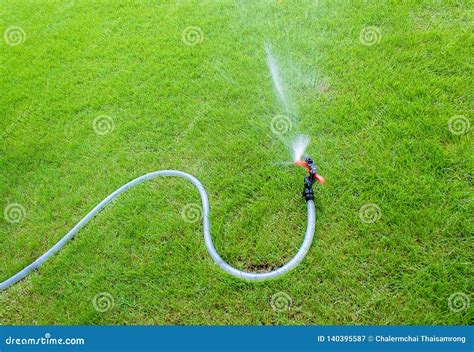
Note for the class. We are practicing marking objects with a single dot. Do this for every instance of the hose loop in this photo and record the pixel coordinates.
(206, 230)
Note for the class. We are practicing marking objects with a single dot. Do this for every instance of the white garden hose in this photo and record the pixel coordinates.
(206, 229)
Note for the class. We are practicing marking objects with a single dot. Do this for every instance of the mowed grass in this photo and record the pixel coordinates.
(378, 117)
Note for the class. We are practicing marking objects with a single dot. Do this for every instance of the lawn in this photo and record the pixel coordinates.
(97, 93)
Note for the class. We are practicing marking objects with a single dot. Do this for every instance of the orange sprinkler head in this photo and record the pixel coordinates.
(311, 167)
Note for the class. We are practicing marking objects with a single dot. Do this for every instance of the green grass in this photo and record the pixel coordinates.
(378, 117)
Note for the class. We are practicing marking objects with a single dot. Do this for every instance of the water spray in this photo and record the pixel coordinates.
(308, 195)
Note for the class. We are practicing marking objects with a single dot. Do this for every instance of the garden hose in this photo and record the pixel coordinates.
(307, 193)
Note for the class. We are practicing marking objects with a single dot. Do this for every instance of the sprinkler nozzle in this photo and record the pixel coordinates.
(309, 164)
(312, 177)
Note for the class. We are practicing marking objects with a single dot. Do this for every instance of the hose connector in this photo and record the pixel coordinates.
(308, 193)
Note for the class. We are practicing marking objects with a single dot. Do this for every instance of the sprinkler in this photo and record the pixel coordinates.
(309, 164)
(308, 195)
